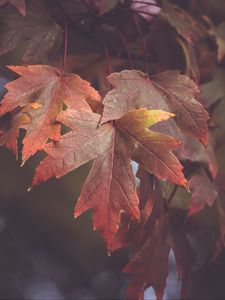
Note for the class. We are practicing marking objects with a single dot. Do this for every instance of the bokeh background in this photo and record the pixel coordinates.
(46, 255)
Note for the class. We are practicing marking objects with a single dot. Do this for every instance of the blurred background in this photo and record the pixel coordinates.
(46, 255)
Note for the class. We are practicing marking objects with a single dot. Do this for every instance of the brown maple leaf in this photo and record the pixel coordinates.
(186, 26)
(203, 191)
(41, 91)
(149, 265)
(154, 236)
(184, 254)
(43, 35)
(110, 186)
(192, 150)
(151, 206)
(169, 91)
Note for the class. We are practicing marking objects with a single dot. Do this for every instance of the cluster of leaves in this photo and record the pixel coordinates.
(163, 108)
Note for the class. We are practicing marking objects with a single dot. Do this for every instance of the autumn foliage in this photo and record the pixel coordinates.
(117, 82)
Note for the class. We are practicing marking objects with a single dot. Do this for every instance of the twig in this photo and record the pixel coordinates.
(65, 45)
(126, 47)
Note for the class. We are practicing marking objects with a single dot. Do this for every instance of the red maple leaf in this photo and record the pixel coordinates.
(41, 91)
(169, 91)
(110, 186)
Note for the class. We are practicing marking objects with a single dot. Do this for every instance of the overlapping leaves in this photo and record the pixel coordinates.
(121, 134)
(144, 119)
(169, 91)
(110, 186)
(41, 92)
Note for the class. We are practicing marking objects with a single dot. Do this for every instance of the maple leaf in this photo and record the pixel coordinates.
(149, 265)
(19, 4)
(203, 192)
(154, 236)
(110, 186)
(150, 272)
(151, 150)
(41, 91)
(194, 151)
(44, 36)
(169, 91)
(185, 25)
(9, 136)
(109, 189)
(151, 206)
(184, 254)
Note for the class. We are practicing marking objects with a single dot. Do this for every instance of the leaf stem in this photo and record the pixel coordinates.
(122, 37)
(108, 60)
(143, 41)
(65, 45)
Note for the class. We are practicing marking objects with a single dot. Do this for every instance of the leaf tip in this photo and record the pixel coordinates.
(23, 163)
(204, 140)
(185, 183)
